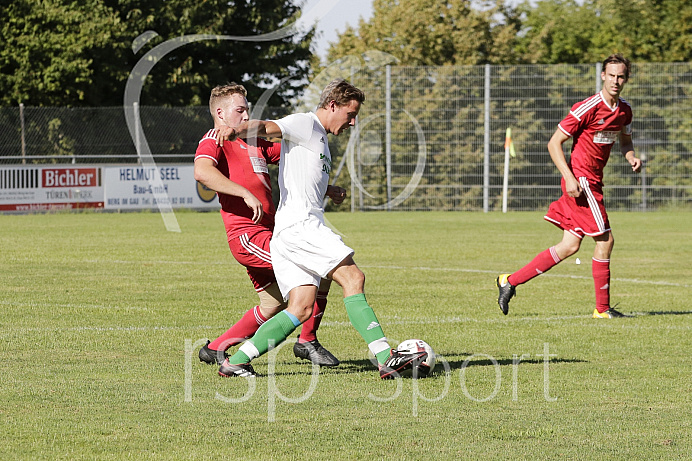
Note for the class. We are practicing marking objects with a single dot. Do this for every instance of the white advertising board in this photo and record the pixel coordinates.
(134, 187)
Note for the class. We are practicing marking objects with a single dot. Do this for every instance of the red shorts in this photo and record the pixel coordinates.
(251, 249)
(584, 215)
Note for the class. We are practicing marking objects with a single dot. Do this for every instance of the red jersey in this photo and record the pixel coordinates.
(245, 165)
(594, 127)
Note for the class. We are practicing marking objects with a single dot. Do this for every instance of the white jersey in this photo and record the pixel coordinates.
(303, 170)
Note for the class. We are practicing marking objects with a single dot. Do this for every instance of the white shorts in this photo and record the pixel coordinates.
(305, 253)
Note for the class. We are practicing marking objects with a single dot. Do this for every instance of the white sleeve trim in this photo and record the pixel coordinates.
(207, 156)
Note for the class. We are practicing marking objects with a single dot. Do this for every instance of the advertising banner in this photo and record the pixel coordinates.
(40, 188)
(47, 188)
(135, 187)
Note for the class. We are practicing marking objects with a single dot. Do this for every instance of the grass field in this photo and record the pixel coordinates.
(102, 316)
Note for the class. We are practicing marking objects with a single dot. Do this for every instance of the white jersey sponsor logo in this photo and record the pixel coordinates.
(259, 165)
(605, 137)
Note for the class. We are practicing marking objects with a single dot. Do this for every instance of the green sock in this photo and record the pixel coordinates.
(276, 330)
(363, 318)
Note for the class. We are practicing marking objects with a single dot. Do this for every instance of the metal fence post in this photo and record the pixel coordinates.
(598, 76)
(138, 141)
(643, 157)
(21, 121)
(388, 135)
(486, 142)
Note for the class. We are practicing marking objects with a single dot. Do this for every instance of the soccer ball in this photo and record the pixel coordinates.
(411, 346)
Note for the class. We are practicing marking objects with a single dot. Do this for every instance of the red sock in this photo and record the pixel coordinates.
(543, 262)
(242, 330)
(309, 330)
(600, 268)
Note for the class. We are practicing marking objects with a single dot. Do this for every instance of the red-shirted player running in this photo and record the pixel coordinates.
(594, 124)
(238, 173)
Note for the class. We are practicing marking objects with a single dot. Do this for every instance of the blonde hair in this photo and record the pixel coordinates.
(224, 91)
(341, 92)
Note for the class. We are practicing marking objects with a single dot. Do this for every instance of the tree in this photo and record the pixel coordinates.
(433, 32)
(62, 52)
(49, 51)
(460, 32)
(566, 31)
(191, 71)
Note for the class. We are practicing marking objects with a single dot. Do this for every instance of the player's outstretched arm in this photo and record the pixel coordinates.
(558, 156)
(627, 149)
(249, 129)
(207, 174)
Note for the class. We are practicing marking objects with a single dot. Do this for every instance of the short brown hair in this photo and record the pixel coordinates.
(341, 92)
(618, 59)
(224, 91)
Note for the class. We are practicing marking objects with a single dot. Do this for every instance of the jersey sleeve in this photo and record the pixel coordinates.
(272, 152)
(570, 124)
(207, 148)
(296, 128)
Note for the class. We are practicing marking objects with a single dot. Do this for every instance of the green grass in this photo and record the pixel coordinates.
(99, 313)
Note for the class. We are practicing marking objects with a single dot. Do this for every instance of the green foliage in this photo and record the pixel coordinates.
(66, 53)
(52, 50)
(191, 71)
(97, 309)
(432, 33)
(567, 31)
(439, 32)
(530, 99)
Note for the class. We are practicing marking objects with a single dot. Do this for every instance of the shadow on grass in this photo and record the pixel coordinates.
(669, 313)
(365, 366)
(484, 362)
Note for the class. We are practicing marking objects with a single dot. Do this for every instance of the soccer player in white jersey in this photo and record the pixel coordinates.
(238, 173)
(304, 250)
(594, 124)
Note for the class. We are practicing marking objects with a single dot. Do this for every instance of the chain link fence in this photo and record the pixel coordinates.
(463, 114)
(428, 138)
(98, 134)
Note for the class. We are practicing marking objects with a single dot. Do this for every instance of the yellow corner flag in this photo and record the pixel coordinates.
(509, 145)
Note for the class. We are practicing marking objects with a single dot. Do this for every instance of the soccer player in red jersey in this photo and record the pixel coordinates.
(238, 172)
(594, 124)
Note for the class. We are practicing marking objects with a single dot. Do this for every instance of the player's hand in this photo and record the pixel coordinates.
(572, 187)
(225, 133)
(336, 193)
(636, 164)
(256, 206)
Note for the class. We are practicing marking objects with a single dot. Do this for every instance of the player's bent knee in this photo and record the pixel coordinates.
(349, 277)
(301, 311)
(271, 301)
(356, 277)
(572, 249)
(301, 301)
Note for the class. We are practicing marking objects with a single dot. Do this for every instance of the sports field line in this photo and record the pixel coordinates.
(216, 329)
(71, 306)
(480, 271)
(337, 324)
(181, 263)
(421, 268)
